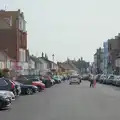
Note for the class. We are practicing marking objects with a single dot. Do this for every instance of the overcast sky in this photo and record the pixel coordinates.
(68, 28)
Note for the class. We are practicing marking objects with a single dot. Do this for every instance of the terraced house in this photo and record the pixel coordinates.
(13, 38)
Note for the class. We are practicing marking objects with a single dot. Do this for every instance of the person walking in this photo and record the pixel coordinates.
(91, 81)
(94, 82)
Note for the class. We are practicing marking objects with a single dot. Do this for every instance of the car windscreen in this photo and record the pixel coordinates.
(111, 77)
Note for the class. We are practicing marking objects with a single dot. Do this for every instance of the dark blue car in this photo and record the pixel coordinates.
(27, 89)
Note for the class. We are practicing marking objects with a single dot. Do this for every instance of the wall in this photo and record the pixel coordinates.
(8, 41)
(16, 34)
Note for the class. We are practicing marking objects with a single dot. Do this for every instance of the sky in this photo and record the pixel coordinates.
(68, 28)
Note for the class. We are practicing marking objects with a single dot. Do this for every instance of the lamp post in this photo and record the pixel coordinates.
(53, 60)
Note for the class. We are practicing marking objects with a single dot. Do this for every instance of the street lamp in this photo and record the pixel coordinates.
(53, 60)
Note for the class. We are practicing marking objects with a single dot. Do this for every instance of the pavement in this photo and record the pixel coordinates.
(67, 102)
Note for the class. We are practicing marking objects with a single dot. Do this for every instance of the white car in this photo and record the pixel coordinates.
(74, 80)
(7, 94)
(52, 81)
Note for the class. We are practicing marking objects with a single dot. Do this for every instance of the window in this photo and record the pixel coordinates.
(111, 77)
(3, 82)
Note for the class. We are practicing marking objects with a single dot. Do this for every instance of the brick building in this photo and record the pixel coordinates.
(13, 35)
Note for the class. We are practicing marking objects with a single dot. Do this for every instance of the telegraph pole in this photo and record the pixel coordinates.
(53, 57)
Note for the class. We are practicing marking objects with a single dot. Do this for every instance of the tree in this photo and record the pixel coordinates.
(5, 72)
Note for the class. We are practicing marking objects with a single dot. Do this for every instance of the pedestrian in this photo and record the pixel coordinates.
(91, 81)
(94, 83)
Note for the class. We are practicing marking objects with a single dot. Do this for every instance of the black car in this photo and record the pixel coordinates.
(18, 88)
(27, 89)
(4, 102)
(118, 81)
(7, 84)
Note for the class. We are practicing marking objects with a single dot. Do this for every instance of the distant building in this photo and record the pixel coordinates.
(114, 51)
(106, 56)
(99, 61)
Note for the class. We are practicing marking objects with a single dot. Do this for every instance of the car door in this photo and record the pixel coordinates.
(3, 84)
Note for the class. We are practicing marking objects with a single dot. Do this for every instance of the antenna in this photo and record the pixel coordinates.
(5, 7)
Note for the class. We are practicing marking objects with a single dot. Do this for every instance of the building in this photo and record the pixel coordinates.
(13, 37)
(6, 61)
(94, 65)
(35, 65)
(106, 58)
(114, 51)
(99, 61)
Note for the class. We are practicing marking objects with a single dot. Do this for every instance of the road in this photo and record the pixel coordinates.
(67, 102)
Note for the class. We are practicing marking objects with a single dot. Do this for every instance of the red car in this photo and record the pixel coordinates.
(33, 81)
(38, 83)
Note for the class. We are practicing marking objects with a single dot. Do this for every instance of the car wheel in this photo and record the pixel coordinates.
(39, 89)
(0, 105)
(70, 83)
(29, 91)
(15, 92)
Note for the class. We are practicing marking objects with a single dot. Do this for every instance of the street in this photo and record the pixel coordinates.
(67, 102)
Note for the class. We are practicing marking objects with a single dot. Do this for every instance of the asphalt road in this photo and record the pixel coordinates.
(67, 102)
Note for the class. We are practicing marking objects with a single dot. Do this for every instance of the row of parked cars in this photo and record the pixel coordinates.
(24, 85)
(109, 79)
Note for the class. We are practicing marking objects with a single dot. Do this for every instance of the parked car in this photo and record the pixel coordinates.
(4, 102)
(46, 79)
(18, 88)
(6, 84)
(7, 94)
(38, 83)
(52, 81)
(109, 79)
(104, 80)
(97, 77)
(85, 77)
(118, 81)
(32, 81)
(27, 89)
(57, 79)
(102, 77)
(113, 79)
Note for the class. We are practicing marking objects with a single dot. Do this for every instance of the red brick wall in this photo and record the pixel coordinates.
(8, 41)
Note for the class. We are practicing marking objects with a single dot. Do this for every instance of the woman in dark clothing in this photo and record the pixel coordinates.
(91, 83)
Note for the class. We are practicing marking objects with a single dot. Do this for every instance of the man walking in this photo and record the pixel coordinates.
(91, 81)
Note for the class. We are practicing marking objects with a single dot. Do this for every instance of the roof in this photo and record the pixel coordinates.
(65, 66)
(35, 59)
(68, 65)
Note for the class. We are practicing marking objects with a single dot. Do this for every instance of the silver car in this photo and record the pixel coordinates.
(74, 80)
